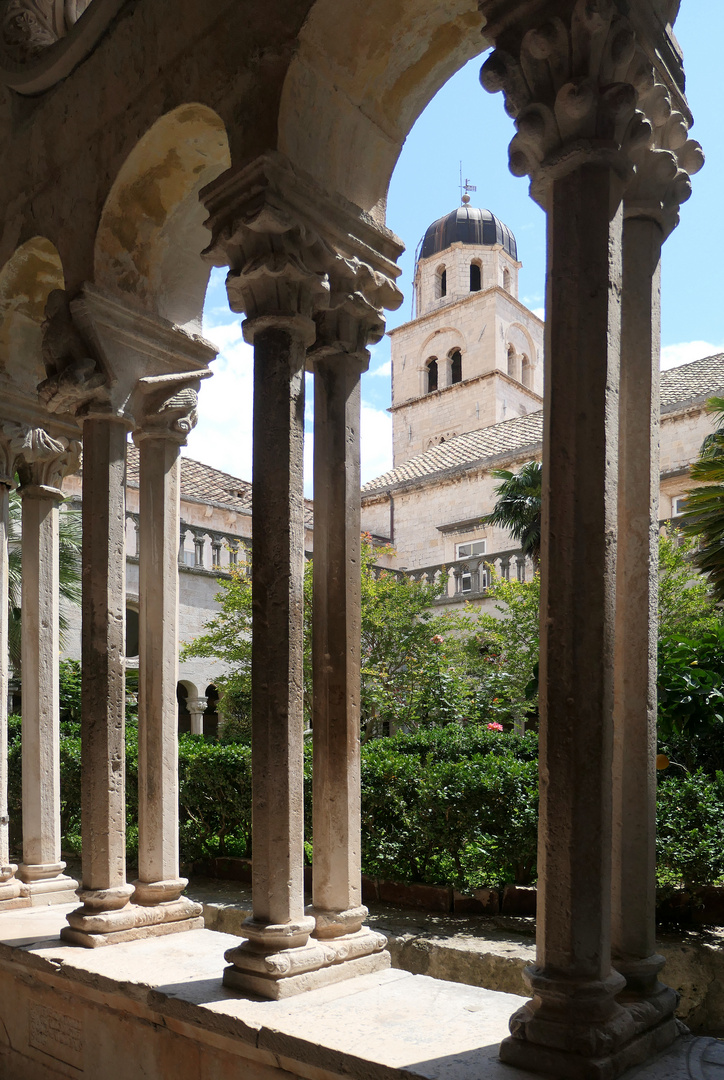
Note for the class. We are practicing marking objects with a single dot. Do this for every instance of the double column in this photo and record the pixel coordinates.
(160, 409)
(42, 463)
(286, 279)
(581, 138)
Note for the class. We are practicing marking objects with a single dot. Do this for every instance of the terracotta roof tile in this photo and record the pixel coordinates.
(201, 483)
(700, 379)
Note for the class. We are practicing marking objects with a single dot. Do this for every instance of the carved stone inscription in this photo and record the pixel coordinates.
(57, 1035)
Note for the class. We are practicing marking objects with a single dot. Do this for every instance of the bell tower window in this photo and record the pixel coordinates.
(506, 280)
(456, 368)
(431, 375)
(475, 281)
(441, 283)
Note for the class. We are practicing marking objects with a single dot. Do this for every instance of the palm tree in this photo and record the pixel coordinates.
(69, 530)
(704, 514)
(518, 506)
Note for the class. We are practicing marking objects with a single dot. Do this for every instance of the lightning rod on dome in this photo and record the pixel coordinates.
(465, 188)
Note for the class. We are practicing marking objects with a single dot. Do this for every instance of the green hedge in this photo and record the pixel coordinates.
(449, 805)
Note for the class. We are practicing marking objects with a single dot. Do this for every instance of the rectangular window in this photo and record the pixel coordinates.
(471, 549)
(678, 506)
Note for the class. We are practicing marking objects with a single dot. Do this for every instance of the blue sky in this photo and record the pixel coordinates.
(464, 123)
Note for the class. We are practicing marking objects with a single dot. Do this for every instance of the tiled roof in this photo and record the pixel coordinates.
(201, 483)
(699, 379)
(463, 450)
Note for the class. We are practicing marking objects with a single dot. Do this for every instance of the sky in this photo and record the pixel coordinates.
(463, 123)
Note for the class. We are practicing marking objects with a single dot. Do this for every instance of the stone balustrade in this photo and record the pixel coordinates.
(469, 579)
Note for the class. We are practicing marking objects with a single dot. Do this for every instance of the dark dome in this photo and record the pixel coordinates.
(467, 225)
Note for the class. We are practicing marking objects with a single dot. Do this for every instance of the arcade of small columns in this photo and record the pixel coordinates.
(602, 131)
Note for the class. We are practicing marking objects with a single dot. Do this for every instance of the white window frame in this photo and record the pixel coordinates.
(479, 545)
(676, 509)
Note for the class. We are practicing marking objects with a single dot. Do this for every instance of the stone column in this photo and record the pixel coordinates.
(105, 893)
(651, 208)
(196, 708)
(42, 464)
(165, 415)
(337, 884)
(278, 232)
(567, 83)
(10, 885)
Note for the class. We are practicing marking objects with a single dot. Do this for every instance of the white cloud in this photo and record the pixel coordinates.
(384, 370)
(376, 435)
(686, 352)
(540, 312)
(222, 437)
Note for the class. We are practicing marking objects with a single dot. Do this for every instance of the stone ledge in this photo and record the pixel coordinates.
(160, 1005)
(492, 952)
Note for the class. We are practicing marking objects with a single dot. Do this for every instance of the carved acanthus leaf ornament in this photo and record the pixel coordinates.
(582, 90)
(42, 460)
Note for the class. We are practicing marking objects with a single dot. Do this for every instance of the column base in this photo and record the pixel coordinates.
(11, 896)
(45, 883)
(91, 928)
(588, 1030)
(570, 1066)
(294, 971)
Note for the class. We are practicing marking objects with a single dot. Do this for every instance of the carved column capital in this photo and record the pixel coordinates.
(573, 85)
(165, 406)
(75, 381)
(665, 166)
(295, 253)
(43, 461)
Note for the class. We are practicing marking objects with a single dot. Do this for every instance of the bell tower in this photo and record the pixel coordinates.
(473, 354)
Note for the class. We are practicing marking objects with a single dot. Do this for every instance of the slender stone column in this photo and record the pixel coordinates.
(278, 921)
(10, 885)
(337, 883)
(42, 466)
(196, 709)
(651, 209)
(160, 436)
(105, 893)
(337, 893)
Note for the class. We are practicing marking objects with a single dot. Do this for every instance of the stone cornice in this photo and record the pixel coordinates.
(469, 382)
(467, 299)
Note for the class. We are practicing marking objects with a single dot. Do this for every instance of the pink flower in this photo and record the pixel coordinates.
(437, 639)
(495, 727)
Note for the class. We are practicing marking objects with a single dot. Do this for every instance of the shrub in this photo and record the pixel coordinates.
(690, 826)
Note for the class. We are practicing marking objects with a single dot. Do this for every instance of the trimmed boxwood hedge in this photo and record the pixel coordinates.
(452, 805)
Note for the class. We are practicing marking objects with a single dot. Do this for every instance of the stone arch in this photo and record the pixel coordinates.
(366, 72)
(32, 272)
(476, 275)
(151, 233)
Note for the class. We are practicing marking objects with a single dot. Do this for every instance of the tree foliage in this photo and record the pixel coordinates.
(414, 670)
(518, 506)
(703, 518)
